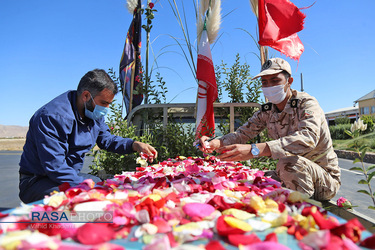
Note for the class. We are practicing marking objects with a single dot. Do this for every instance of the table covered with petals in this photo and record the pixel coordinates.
(184, 203)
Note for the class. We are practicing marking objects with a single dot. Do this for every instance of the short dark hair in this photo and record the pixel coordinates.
(95, 81)
(286, 74)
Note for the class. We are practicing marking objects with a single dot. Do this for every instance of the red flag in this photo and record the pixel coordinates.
(207, 89)
(279, 21)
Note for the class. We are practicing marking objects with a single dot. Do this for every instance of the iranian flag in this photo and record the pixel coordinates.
(207, 89)
(279, 21)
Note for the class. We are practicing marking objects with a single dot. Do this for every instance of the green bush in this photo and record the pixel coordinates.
(342, 120)
(114, 163)
(177, 138)
(369, 120)
(372, 144)
(338, 131)
(174, 140)
(239, 86)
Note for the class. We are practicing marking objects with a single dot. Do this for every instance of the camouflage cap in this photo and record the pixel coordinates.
(274, 66)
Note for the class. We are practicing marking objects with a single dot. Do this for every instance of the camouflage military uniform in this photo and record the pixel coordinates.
(302, 143)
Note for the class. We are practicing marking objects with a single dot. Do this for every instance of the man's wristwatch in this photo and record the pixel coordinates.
(255, 150)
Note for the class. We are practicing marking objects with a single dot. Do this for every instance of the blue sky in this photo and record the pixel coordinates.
(47, 46)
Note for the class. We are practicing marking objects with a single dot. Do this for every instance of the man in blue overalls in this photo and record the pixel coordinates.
(64, 130)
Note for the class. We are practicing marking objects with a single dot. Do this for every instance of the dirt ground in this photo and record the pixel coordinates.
(12, 144)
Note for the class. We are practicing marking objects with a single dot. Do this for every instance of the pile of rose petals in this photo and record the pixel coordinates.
(184, 203)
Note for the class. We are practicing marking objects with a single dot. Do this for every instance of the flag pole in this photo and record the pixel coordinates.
(262, 55)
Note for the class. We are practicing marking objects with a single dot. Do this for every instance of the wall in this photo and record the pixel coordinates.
(366, 103)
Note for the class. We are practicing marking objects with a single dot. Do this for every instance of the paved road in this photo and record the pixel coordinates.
(350, 186)
(9, 183)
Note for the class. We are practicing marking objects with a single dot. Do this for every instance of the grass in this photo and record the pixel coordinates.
(367, 139)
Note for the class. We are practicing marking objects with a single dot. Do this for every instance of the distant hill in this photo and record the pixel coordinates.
(10, 131)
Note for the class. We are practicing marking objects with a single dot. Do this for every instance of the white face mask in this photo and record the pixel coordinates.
(275, 94)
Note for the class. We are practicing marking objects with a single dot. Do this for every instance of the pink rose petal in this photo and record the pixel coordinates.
(198, 209)
(266, 245)
(162, 225)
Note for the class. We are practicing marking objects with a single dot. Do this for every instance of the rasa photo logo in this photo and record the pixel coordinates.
(72, 216)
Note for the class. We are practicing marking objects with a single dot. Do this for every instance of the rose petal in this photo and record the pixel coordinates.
(64, 186)
(198, 209)
(65, 230)
(348, 244)
(162, 225)
(94, 233)
(239, 214)
(276, 219)
(149, 228)
(317, 240)
(369, 242)
(271, 237)
(236, 223)
(160, 242)
(214, 245)
(320, 220)
(224, 229)
(266, 245)
(191, 228)
(241, 239)
(142, 216)
(352, 230)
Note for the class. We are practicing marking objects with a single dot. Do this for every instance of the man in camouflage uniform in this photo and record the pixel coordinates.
(301, 138)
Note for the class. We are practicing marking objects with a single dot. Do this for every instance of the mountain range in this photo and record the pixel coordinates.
(12, 131)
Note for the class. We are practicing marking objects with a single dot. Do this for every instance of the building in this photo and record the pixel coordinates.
(366, 104)
(350, 112)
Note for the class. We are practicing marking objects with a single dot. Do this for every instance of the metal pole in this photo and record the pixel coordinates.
(301, 82)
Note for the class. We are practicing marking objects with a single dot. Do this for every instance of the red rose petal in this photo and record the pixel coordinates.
(300, 233)
(162, 225)
(173, 197)
(335, 243)
(271, 237)
(320, 220)
(352, 230)
(219, 203)
(242, 239)
(161, 183)
(94, 233)
(72, 192)
(65, 230)
(64, 186)
(214, 245)
(3, 215)
(369, 242)
(224, 229)
(172, 240)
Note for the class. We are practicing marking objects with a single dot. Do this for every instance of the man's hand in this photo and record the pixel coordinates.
(146, 149)
(242, 152)
(235, 152)
(207, 147)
